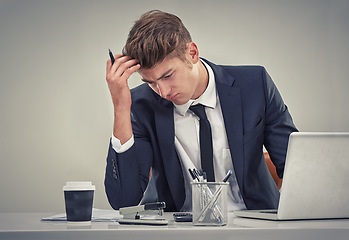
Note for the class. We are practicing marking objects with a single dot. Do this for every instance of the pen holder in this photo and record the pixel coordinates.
(209, 202)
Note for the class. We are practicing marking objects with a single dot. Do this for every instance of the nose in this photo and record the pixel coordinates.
(163, 88)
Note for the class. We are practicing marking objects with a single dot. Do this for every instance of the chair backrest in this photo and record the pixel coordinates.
(272, 170)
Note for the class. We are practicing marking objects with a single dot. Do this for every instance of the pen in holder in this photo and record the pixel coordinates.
(209, 201)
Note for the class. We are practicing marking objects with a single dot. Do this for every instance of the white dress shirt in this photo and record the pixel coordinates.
(188, 147)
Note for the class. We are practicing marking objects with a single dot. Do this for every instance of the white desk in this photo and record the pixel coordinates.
(29, 226)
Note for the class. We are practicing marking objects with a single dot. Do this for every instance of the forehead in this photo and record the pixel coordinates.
(156, 72)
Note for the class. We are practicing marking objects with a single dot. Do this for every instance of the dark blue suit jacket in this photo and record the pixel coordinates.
(254, 115)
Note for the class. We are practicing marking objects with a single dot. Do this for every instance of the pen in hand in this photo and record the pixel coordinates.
(111, 57)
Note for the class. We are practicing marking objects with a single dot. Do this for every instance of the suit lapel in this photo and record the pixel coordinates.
(230, 100)
(164, 124)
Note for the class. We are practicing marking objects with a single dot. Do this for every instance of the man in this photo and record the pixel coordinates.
(155, 127)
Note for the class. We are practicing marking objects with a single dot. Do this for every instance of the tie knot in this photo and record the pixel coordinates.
(199, 110)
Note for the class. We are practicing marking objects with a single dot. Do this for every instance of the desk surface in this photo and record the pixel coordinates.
(29, 226)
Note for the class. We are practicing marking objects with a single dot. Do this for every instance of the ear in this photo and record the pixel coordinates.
(193, 52)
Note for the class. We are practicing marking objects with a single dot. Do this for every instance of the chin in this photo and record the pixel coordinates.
(180, 102)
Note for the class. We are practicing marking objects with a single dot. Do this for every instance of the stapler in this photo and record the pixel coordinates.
(140, 214)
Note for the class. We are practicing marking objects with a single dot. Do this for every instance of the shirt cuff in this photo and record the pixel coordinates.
(116, 144)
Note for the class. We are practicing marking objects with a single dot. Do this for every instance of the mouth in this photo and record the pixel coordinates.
(172, 97)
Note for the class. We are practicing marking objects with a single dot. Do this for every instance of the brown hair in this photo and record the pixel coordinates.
(155, 36)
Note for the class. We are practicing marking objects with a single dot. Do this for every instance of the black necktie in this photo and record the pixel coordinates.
(206, 149)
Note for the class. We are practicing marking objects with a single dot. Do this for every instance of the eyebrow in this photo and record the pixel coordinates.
(162, 76)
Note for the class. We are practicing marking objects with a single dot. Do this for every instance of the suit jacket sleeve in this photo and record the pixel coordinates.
(127, 173)
(278, 125)
(266, 121)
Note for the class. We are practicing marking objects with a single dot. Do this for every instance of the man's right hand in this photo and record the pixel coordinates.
(117, 78)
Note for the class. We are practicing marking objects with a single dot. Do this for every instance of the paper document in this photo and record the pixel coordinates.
(98, 215)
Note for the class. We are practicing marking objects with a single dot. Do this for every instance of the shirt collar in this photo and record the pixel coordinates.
(208, 98)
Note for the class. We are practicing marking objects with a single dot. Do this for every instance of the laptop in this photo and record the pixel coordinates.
(316, 179)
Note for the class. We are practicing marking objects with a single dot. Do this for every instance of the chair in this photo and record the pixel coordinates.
(272, 170)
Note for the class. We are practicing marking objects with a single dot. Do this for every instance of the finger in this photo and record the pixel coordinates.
(119, 60)
(116, 71)
(129, 71)
(109, 63)
(117, 56)
(125, 66)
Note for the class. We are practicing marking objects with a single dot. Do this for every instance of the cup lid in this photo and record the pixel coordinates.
(78, 185)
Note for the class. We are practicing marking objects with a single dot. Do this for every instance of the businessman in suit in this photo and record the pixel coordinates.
(157, 129)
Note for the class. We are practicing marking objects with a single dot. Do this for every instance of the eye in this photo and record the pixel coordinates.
(168, 76)
(152, 84)
(148, 82)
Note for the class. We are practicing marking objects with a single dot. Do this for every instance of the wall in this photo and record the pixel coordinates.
(56, 112)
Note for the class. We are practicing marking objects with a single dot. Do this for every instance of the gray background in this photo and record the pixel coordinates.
(56, 112)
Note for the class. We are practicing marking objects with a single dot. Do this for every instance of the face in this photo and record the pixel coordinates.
(175, 80)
